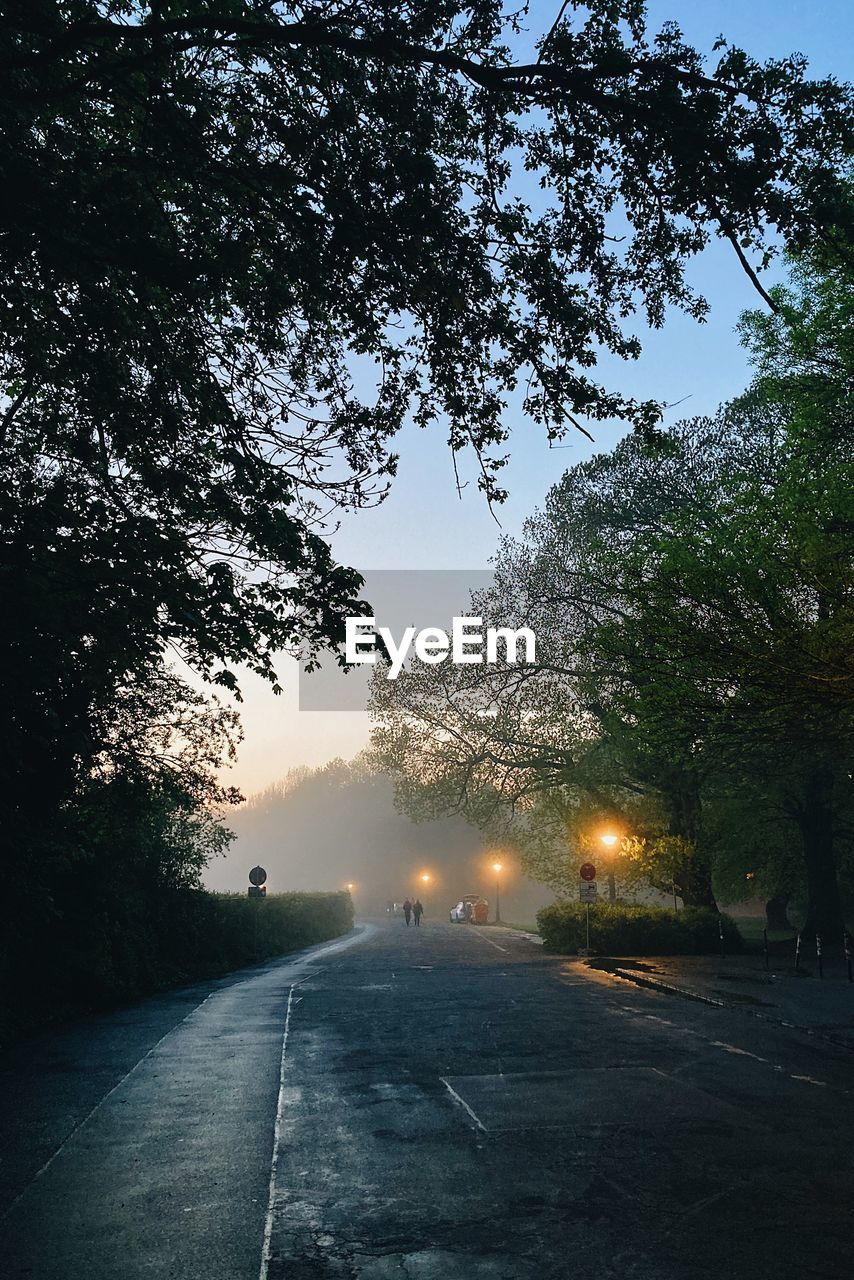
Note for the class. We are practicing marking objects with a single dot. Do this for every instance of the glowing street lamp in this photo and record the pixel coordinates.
(610, 840)
(497, 868)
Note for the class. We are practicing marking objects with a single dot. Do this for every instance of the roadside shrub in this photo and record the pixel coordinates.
(117, 947)
(618, 929)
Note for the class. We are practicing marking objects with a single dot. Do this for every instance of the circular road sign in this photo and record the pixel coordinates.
(587, 871)
(257, 876)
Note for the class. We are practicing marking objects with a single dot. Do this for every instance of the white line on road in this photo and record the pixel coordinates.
(463, 1104)
(277, 1138)
(365, 931)
(491, 943)
(732, 1048)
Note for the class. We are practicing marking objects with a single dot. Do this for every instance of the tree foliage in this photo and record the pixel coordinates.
(692, 600)
(243, 243)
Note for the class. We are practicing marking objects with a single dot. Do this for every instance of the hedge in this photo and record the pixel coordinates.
(115, 949)
(617, 929)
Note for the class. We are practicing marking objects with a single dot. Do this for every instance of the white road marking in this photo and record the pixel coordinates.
(277, 1138)
(463, 1104)
(731, 1048)
(720, 1044)
(489, 940)
(365, 932)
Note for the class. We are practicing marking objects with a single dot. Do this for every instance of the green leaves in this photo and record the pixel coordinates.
(693, 601)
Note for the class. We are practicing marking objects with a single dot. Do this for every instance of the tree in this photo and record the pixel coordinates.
(242, 243)
(549, 748)
(88, 906)
(745, 613)
(692, 603)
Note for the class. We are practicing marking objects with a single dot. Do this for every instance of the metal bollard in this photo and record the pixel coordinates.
(765, 945)
(721, 935)
(797, 953)
(818, 955)
(846, 947)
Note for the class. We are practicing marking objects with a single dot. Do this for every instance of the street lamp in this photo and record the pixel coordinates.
(610, 841)
(496, 867)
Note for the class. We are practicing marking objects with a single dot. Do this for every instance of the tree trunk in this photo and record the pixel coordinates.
(697, 884)
(824, 910)
(696, 876)
(775, 912)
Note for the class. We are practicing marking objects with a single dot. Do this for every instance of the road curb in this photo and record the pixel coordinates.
(668, 988)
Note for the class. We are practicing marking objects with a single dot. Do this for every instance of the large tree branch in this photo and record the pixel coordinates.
(524, 78)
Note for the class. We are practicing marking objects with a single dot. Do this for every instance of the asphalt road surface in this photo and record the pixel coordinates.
(431, 1104)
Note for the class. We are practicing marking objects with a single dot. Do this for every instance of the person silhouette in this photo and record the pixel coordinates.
(407, 911)
(417, 910)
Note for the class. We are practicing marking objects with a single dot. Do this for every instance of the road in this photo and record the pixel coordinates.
(426, 1104)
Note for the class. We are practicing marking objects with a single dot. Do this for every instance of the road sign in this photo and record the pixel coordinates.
(587, 871)
(589, 892)
(257, 876)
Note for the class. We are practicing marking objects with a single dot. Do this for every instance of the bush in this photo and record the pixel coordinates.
(114, 948)
(622, 930)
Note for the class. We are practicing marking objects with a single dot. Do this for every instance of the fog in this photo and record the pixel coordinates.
(323, 828)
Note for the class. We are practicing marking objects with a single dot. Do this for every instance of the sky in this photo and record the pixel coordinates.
(426, 524)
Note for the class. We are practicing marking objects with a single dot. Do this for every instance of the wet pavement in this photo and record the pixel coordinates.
(427, 1105)
(822, 1004)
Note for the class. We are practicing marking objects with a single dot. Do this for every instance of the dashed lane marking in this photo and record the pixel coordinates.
(732, 1048)
(727, 1048)
(465, 1106)
(484, 938)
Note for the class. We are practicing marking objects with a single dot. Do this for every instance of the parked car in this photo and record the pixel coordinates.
(471, 909)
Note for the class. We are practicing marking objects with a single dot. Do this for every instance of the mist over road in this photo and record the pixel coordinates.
(438, 1103)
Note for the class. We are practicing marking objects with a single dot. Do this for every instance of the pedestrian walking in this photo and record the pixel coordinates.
(407, 911)
(417, 910)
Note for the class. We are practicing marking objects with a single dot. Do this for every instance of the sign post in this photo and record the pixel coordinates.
(588, 892)
(257, 885)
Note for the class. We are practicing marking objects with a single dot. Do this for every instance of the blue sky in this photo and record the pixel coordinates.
(424, 524)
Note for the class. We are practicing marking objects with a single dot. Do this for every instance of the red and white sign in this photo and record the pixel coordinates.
(587, 871)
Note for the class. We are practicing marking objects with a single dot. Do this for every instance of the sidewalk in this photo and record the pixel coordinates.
(823, 1007)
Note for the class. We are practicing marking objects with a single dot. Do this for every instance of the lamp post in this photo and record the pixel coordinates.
(610, 840)
(496, 867)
